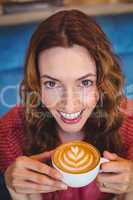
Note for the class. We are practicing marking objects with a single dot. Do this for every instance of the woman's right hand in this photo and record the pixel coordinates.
(28, 175)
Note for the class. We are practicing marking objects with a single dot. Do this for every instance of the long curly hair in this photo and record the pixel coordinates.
(64, 29)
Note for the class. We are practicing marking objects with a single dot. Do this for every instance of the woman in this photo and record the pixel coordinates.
(72, 89)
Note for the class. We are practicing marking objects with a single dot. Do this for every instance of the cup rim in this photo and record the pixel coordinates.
(94, 167)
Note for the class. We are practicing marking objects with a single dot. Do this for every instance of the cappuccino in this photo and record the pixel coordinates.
(76, 157)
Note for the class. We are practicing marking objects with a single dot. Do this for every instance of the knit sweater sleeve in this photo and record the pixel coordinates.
(126, 132)
(11, 137)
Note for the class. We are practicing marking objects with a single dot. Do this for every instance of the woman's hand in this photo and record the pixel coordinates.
(28, 175)
(116, 176)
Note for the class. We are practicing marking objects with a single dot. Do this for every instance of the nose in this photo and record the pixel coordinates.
(70, 102)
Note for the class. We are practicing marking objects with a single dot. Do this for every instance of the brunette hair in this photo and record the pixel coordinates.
(66, 28)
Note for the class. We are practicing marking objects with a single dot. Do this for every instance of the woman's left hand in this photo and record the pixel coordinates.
(116, 176)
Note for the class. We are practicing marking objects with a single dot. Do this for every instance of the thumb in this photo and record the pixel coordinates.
(43, 156)
(110, 156)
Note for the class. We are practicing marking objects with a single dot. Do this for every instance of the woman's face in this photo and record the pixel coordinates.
(68, 81)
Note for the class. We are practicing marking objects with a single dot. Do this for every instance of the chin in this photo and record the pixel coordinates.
(71, 129)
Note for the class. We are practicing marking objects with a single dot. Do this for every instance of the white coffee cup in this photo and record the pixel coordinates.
(82, 179)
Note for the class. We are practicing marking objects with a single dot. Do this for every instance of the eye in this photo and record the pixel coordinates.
(50, 84)
(86, 83)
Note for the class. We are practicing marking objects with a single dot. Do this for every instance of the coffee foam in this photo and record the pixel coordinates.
(76, 157)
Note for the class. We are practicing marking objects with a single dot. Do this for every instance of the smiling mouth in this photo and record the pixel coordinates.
(71, 118)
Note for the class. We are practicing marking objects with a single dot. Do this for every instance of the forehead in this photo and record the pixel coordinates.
(70, 62)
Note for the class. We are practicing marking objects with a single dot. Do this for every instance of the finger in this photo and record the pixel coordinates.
(37, 166)
(110, 156)
(115, 188)
(111, 178)
(43, 156)
(118, 187)
(35, 192)
(114, 166)
(37, 182)
(30, 175)
(109, 190)
(37, 178)
(33, 189)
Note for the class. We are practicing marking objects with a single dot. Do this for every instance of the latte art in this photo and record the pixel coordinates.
(76, 157)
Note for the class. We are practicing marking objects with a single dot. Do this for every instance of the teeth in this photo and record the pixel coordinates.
(70, 116)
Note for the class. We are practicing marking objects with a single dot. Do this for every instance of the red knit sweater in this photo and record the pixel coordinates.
(12, 138)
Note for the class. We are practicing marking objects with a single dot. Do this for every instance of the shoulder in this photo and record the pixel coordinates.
(14, 115)
(11, 136)
(126, 129)
(12, 121)
(126, 132)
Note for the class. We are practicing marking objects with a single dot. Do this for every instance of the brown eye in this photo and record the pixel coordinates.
(50, 84)
(86, 83)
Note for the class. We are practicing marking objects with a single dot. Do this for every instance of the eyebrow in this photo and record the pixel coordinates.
(82, 77)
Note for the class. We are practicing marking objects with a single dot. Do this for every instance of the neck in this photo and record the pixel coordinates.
(66, 137)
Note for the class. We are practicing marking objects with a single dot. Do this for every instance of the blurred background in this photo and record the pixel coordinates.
(19, 18)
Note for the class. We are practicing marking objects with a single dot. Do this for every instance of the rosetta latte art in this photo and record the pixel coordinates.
(76, 158)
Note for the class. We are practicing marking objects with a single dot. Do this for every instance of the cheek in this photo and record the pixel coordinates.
(90, 98)
(50, 98)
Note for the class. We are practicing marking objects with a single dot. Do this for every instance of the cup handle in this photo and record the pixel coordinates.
(103, 160)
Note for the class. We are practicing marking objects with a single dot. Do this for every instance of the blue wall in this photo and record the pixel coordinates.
(14, 41)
